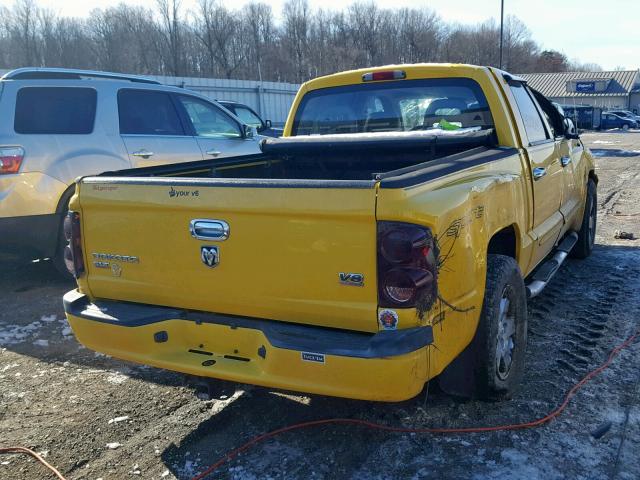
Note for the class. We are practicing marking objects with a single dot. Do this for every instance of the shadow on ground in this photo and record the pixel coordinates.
(614, 152)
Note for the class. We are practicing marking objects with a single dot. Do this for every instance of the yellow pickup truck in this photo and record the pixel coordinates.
(393, 235)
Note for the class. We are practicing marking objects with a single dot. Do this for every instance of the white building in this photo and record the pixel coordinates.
(607, 90)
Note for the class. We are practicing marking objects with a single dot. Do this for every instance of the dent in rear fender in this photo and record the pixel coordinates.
(464, 210)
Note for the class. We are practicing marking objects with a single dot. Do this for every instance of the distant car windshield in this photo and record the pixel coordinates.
(247, 116)
(397, 106)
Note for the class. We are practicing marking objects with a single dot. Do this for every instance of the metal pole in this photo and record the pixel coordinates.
(501, 29)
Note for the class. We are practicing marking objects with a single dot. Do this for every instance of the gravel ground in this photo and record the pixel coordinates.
(96, 417)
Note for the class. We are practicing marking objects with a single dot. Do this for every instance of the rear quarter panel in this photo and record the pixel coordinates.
(464, 210)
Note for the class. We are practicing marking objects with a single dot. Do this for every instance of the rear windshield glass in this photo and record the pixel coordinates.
(55, 110)
(398, 106)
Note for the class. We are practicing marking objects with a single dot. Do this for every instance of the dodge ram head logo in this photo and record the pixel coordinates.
(210, 256)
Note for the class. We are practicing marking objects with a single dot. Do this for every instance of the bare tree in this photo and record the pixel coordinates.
(171, 29)
(221, 34)
(248, 43)
(296, 35)
(23, 28)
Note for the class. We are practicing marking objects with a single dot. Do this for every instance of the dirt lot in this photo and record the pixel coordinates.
(70, 403)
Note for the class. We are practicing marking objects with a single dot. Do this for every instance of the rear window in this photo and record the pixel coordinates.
(397, 106)
(55, 110)
(146, 112)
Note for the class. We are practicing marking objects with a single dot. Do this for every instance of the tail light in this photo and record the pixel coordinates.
(10, 159)
(73, 251)
(407, 266)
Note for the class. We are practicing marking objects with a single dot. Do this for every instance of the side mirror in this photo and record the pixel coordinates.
(249, 132)
(267, 123)
(570, 130)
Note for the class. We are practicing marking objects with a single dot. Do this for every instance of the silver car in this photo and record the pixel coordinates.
(59, 124)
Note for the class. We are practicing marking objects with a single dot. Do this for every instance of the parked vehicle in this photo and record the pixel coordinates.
(394, 234)
(250, 117)
(612, 120)
(60, 124)
(584, 116)
(625, 114)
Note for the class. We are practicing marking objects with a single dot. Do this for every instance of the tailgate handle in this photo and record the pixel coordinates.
(205, 229)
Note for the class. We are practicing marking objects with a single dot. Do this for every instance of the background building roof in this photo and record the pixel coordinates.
(555, 84)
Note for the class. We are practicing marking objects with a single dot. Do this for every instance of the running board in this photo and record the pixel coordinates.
(548, 269)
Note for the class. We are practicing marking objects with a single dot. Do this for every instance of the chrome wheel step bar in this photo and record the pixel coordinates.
(545, 272)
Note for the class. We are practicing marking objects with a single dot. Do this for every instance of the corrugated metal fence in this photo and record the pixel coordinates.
(271, 100)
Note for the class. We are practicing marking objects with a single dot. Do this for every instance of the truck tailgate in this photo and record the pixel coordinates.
(286, 247)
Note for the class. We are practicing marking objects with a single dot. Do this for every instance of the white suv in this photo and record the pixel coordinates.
(59, 124)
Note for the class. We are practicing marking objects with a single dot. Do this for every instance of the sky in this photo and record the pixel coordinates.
(606, 32)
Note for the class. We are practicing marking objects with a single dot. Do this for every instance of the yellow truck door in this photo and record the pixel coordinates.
(574, 178)
(546, 171)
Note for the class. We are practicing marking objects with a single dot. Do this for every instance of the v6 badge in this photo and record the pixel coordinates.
(210, 256)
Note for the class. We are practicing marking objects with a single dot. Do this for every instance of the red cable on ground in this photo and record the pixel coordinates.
(28, 451)
(378, 426)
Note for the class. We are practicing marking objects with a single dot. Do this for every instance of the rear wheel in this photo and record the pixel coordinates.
(587, 233)
(501, 338)
(625, 127)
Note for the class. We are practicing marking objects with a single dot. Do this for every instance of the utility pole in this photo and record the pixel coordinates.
(501, 29)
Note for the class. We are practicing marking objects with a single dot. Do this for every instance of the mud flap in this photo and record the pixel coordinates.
(458, 378)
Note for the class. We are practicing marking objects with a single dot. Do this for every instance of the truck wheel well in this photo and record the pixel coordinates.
(503, 242)
(64, 199)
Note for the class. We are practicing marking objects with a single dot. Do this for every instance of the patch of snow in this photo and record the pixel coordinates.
(113, 445)
(119, 419)
(41, 343)
(117, 378)
(48, 318)
(11, 365)
(13, 334)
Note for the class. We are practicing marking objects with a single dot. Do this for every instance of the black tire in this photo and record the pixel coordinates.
(501, 338)
(587, 233)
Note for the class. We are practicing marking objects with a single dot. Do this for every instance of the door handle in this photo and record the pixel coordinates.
(539, 172)
(206, 229)
(564, 161)
(213, 153)
(143, 153)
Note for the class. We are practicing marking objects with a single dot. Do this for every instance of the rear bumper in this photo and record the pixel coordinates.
(33, 234)
(386, 366)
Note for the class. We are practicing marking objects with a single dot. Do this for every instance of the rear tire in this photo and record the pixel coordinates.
(625, 127)
(501, 338)
(587, 233)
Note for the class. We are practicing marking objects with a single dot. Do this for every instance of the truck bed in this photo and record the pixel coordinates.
(358, 157)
